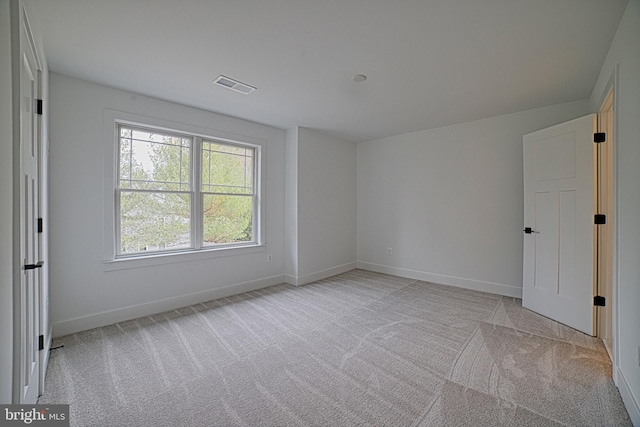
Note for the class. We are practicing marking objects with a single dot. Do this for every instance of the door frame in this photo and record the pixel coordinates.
(603, 198)
(611, 88)
(43, 236)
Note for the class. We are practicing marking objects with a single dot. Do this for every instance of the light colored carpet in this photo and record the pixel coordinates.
(359, 348)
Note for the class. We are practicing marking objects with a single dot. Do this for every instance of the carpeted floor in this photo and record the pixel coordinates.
(359, 348)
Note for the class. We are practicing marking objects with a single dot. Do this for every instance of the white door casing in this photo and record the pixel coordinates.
(558, 259)
(605, 232)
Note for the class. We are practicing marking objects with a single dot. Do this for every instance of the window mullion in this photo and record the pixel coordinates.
(256, 224)
(130, 159)
(196, 205)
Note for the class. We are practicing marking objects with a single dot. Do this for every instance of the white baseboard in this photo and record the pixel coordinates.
(630, 401)
(319, 275)
(109, 317)
(460, 282)
(291, 279)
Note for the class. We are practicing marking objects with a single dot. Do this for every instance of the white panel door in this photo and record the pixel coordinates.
(29, 292)
(558, 218)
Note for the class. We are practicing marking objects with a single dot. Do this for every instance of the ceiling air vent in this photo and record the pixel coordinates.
(234, 85)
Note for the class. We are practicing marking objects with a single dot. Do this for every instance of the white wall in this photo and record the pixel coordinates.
(624, 54)
(6, 208)
(291, 207)
(321, 206)
(449, 201)
(83, 294)
(326, 205)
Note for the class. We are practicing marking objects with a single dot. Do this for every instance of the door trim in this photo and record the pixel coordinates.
(15, 13)
(604, 242)
(613, 87)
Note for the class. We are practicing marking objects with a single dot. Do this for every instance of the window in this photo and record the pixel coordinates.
(181, 192)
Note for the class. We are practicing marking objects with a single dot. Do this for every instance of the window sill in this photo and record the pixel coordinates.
(176, 257)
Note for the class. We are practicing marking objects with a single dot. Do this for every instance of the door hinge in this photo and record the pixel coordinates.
(600, 219)
(599, 301)
(41, 343)
(39, 225)
(39, 106)
(599, 137)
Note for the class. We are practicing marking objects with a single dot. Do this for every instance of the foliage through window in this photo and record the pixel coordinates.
(183, 192)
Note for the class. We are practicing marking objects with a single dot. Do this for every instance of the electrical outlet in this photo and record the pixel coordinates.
(269, 257)
(639, 356)
(389, 251)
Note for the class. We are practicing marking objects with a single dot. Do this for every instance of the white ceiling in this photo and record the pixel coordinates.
(429, 63)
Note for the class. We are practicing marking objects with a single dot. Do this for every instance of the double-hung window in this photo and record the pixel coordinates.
(180, 192)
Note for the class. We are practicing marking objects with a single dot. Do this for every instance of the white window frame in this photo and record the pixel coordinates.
(115, 261)
(193, 207)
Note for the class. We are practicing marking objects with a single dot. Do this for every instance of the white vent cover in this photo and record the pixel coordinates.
(234, 85)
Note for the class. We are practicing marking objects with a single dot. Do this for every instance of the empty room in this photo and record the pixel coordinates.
(320, 213)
